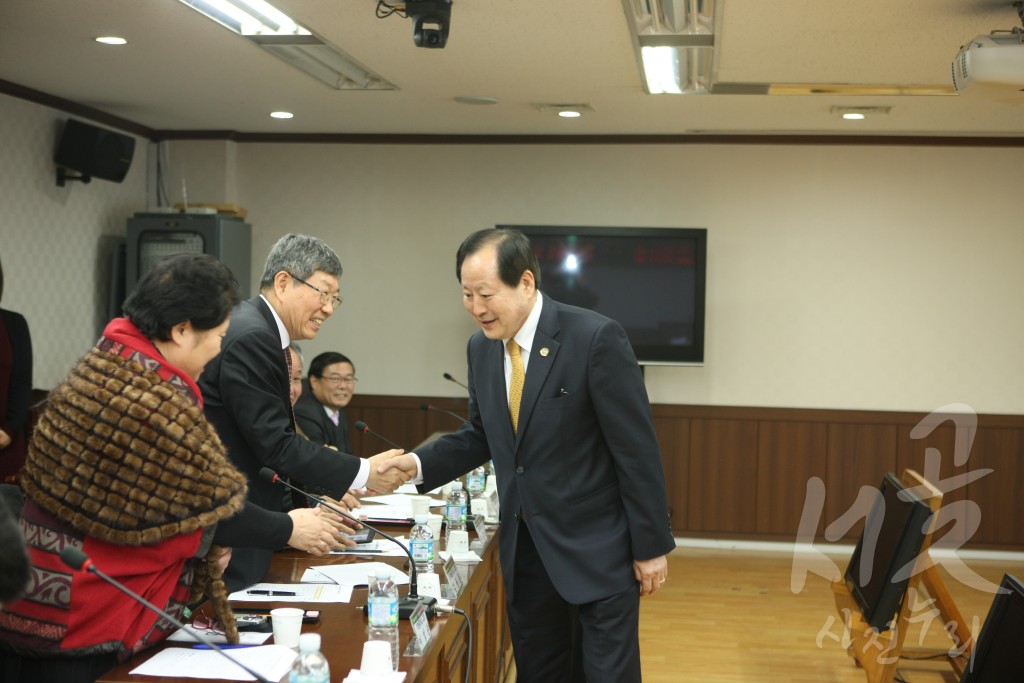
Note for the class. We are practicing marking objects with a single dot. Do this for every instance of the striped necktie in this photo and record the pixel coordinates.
(515, 387)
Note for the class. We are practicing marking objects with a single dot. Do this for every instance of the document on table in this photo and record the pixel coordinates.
(270, 661)
(397, 499)
(244, 637)
(394, 513)
(349, 575)
(293, 592)
(383, 548)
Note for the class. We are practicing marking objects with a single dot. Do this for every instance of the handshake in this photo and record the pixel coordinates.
(390, 469)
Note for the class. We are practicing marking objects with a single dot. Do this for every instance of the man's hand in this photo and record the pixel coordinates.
(341, 525)
(311, 533)
(389, 470)
(651, 574)
(5, 439)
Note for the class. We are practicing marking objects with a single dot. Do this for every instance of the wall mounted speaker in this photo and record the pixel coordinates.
(93, 152)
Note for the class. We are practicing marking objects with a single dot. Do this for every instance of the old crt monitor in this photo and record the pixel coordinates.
(998, 654)
(883, 560)
(154, 236)
(650, 280)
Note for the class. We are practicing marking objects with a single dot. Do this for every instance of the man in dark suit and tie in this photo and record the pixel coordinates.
(319, 412)
(248, 399)
(558, 401)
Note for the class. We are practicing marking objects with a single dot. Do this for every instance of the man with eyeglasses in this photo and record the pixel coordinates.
(319, 412)
(247, 393)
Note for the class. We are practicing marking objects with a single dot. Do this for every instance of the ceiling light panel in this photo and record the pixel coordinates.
(286, 39)
(675, 41)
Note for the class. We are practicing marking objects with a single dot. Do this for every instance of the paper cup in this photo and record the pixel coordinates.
(287, 623)
(479, 507)
(458, 542)
(376, 658)
(420, 505)
(429, 585)
(434, 521)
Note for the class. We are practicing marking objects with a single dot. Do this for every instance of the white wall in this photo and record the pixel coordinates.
(55, 242)
(839, 277)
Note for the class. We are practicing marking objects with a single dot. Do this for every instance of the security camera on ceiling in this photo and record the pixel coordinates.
(430, 21)
(996, 59)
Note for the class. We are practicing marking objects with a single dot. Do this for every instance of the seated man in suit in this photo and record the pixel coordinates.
(319, 410)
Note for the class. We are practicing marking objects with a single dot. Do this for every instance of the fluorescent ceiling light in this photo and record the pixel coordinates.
(281, 115)
(675, 43)
(286, 39)
(111, 40)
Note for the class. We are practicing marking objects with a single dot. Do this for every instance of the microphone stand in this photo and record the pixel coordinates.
(452, 379)
(407, 604)
(76, 559)
(364, 428)
(428, 408)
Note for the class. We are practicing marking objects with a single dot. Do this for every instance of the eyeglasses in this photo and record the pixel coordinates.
(333, 299)
(338, 379)
(205, 623)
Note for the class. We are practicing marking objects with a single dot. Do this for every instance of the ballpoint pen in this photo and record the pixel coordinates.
(356, 551)
(258, 592)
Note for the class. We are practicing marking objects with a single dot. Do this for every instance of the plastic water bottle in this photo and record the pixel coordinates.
(421, 545)
(455, 511)
(383, 612)
(310, 666)
(476, 481)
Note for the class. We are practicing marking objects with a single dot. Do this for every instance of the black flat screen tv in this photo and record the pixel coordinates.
(650, 280)
(998, 653)
(883, 560)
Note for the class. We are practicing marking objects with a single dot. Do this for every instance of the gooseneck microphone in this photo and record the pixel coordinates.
(428, 407)
(452, 379)
(76, 559)
(365, 429)
(407, 604)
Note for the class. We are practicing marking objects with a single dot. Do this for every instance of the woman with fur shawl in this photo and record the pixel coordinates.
(124, 466)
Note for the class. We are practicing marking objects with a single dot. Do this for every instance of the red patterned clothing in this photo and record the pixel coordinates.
(124, 466)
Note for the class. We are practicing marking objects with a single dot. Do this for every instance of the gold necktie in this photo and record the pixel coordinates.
(515, 386)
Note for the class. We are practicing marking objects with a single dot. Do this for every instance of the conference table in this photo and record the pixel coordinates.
(343, 626)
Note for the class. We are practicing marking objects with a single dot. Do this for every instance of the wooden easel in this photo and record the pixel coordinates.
(879, 653)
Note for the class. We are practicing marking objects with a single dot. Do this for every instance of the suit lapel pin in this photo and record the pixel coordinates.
(544, 351)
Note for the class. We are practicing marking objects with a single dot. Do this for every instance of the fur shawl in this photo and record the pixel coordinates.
(123, 456)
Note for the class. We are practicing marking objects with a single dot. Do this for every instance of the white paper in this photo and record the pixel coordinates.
(401, 513)
(270, 661)
(244, 637)
(350, 575)
(381, 548)
(398, 499)
(304, 592)
(357, 676)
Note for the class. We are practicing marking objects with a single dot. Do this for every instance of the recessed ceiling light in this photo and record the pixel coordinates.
(111, 40)
(859, 113)
(568, 111)
(281, 115)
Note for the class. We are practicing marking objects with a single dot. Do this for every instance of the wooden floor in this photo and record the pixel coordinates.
(732, 617)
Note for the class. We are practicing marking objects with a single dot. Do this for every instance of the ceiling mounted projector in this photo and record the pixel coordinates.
(996, 59)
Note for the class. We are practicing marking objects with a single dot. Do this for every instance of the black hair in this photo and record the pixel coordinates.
(515, 254)
(320, 363)
(194, 288)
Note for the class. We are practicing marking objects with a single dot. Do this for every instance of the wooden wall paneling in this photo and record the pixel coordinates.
(788, 455)
(996, 493)
(858, 455)
(674, 440)
(722, 484)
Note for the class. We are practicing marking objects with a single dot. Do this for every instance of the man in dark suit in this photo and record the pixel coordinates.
(319, 412)
(247, 392)
(584, 520)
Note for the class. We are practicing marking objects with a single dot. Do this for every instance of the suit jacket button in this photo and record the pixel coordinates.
(519, 470)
